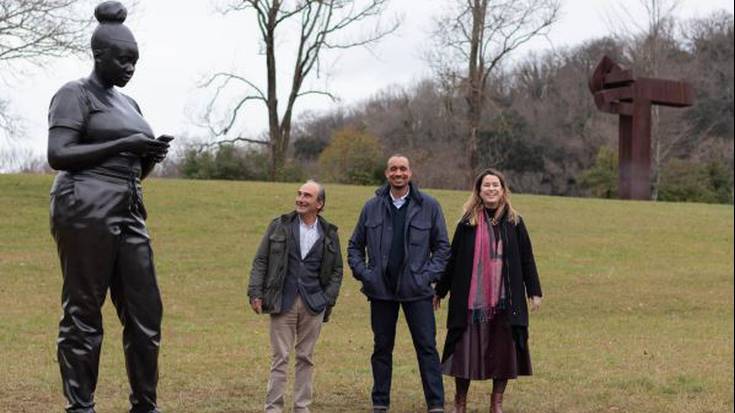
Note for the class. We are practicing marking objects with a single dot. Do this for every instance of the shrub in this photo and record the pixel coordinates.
(225, 162)
(352, 157)
(601, 180)
(688, 181)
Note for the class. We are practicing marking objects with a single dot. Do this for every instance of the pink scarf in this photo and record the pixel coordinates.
(487, 272)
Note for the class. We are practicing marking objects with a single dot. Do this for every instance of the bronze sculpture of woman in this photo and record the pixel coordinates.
(103, 148)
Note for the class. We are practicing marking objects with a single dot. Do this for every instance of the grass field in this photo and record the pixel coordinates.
(637, 316)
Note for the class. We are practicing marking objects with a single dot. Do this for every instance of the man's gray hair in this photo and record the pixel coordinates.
(321, 195)
(397, 155)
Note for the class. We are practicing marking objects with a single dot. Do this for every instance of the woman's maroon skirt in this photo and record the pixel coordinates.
(487, 350)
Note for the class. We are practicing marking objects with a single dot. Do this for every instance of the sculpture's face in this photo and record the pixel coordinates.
(398, 172)
(491, 191)
(115, 65)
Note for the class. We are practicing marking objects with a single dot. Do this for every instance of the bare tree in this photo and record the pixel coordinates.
(481, 34)
(33, 31)
(318, 22)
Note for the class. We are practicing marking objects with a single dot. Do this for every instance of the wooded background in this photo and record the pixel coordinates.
(539, 123)
(486, 104)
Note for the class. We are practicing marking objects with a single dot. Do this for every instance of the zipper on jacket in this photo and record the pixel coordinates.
(406, 242)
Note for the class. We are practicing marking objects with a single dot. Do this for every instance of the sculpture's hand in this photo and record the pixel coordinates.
(145, 146)
(160, 157)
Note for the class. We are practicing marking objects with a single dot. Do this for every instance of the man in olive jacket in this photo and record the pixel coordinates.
(398, 250)
(296, 276)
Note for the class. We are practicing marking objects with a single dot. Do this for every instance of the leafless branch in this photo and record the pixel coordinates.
(204, 146)
(319, 92)
(319, 23)
(227, 77)
(9, 123)
(32, 30)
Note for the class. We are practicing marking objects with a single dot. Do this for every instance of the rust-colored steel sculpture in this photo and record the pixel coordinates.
(617, 91)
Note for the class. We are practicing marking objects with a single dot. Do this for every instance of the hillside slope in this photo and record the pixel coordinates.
(637, 317)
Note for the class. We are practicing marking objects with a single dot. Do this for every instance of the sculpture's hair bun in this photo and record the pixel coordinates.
(110, 12)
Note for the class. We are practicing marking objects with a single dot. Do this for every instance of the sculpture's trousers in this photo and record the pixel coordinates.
(95, 258)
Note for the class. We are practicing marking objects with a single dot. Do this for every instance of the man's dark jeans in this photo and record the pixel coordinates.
(420, 318)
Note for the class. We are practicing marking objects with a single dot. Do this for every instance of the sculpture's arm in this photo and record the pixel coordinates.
(66, 152)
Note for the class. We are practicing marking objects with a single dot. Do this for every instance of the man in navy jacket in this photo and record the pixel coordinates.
(398, 250)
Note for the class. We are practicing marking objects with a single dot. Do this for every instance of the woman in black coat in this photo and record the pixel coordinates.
(490, 273)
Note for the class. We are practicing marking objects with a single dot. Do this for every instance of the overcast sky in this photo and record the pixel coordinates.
(183, 41)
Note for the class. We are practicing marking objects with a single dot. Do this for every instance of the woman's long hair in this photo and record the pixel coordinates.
(475, 206)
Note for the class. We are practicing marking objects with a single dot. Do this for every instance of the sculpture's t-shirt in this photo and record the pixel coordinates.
(108, 194)
(100, 115)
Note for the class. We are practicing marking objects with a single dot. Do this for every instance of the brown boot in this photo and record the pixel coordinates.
(496, 403)
(460, 403)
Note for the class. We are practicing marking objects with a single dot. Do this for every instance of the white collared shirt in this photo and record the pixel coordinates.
(308, 235)
(399, 202)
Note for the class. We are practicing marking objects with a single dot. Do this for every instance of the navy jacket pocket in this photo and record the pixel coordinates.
(419, 234)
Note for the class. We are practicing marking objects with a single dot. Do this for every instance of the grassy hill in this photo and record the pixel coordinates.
(637, 317)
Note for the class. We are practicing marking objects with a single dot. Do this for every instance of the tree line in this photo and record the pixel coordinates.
(539, 122)
(532, 116)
